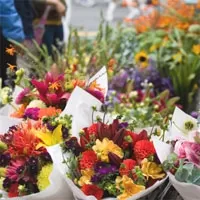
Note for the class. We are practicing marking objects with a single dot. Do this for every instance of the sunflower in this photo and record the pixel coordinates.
(141, 59)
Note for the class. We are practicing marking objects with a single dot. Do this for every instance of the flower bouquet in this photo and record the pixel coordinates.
(108, 160)
(181, 157)
(54, 91)
(27, 170)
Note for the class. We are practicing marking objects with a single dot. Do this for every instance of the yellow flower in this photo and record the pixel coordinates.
(2, 172)
(11, 51)
(43, 177)
(141, 59)
(1, 183)
(103, 148)
(127, 187)
(196, 49)
(152, 169)
(49, 138)
(177, 57)
(86, 177)
(153, 48)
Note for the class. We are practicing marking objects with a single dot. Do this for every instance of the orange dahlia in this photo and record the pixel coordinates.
(24, 142)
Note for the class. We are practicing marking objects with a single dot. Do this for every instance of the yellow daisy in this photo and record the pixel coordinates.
(196, 49)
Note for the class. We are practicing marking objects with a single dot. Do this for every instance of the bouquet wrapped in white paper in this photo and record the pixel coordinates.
(181, 158)
(101, 156)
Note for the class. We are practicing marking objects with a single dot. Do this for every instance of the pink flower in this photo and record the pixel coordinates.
(11, 171)
(189, 151)
(22, 95)
(51, 89)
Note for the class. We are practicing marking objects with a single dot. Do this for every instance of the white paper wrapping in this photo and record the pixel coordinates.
(6, 122)
(101, 78)
(178, 120)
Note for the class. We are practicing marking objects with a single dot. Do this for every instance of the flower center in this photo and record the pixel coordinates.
(143, 59)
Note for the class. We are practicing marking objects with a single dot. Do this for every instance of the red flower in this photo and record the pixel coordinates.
(88, 159)
(88, 133)
(13, 190)
(143, 149)
(127, 166)
(92, 190)
(161, 105)
(131, 138)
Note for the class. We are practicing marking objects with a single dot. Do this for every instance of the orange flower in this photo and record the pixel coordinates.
(24, 142)
(11, 67)
(95, 86)
(48, 112)
(11, 51)
(19, 113)
(80, 83)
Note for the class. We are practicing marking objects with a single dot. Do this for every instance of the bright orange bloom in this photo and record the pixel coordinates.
(19, 113)
(11, 51)
(80, 83)
(11, 67)
(48, 112)
(24, 141)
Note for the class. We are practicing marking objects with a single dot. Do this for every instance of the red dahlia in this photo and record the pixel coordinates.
(88, 159)
(127, 166)
(92, 190)
(143, 149)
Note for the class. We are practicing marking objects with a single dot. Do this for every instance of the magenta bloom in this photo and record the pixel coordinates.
(12, 170)
(188, 150)
(32, 113)
(22, 95)
(51, 89)
(99, 95)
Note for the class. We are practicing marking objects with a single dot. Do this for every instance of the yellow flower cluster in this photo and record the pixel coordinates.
(127, 187)
(102, 148)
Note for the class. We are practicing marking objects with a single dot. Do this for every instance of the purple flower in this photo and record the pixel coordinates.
(194, 114)
(32, 113)
(73, 145)
(21, 97)
(4, 159)
(119, 81)
(102, 170)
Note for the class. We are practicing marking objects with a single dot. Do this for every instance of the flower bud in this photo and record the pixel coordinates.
(3, 146)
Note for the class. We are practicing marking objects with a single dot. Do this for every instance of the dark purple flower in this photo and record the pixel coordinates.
(102, 170)
(33, 165)
(4, 159)
(65, 132)
(32, 113)
(46, 157)
(6, 183)
(73, 145)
